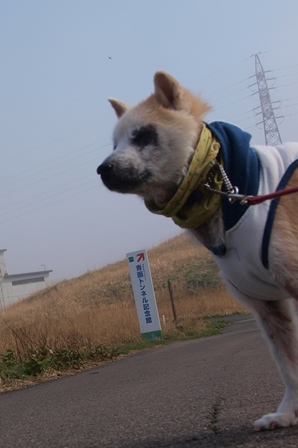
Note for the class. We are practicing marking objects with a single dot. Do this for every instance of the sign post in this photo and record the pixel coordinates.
(144, 294)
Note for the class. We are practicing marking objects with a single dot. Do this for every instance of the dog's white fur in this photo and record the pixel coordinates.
(153, 144)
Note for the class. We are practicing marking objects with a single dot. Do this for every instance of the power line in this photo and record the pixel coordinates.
(42, 197)
(44, 166)
(47, 205)
(56, 163)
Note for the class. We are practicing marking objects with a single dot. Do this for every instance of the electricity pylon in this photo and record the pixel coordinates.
(272, 135)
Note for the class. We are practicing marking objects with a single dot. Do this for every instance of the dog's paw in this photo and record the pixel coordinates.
(276, 420)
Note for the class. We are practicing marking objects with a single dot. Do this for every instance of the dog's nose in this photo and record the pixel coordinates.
(105, 168)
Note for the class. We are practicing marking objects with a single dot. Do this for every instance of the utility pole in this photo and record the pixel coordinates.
(272, 136)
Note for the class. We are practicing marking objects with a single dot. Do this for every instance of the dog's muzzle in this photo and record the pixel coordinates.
(122, 179)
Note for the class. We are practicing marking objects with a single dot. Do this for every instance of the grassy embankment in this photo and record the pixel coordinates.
(92, 318)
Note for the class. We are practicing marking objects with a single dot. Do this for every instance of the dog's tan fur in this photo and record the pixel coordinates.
(284, 257)
(177, 115)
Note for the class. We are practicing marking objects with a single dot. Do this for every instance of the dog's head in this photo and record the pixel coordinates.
(154, 141)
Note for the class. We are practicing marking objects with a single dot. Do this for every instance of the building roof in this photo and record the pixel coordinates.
(26, 274)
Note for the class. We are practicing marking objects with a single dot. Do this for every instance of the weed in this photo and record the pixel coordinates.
(38, 361)
(76, 322)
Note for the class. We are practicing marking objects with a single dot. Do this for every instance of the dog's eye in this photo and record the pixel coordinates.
(144, 136)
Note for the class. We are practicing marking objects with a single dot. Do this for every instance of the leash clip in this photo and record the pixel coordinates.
(231, 192)
(232, 195)
(236, 197)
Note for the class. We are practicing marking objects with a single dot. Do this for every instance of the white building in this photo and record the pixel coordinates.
(14, 287)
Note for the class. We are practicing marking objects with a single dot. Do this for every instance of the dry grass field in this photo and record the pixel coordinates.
(98, 308)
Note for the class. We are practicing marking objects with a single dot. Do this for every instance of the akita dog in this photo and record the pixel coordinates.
(188, 170)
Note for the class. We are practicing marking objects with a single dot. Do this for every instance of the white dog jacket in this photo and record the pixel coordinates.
(244, 261)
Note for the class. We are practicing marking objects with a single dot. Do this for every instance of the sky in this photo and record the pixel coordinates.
(62, 59)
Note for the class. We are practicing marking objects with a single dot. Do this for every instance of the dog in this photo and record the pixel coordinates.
(191, 171)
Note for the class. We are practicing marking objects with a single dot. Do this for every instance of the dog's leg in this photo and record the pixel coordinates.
(278, 323)
(278, 319)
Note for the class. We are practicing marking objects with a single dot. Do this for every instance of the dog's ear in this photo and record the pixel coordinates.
(119, 107)
(167, 90)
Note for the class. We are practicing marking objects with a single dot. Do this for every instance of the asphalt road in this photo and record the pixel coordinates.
(201, 393)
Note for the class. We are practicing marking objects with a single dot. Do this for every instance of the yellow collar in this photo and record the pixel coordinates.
(184, 213)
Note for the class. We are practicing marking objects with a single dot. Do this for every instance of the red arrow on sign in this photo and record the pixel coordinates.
(140, 257)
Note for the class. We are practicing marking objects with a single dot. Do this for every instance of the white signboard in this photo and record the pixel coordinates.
(144, 294)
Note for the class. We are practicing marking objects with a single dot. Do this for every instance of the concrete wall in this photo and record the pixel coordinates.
(16, 287)
(14, 290)
(3, 269)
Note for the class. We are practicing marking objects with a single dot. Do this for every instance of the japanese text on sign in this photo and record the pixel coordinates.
(144, 294)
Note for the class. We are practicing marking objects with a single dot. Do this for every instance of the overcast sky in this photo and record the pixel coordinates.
(62, 59)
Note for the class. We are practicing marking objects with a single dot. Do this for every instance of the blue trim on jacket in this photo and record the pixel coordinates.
(271, 214)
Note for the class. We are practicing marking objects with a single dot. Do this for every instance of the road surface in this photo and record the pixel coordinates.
(201, 393)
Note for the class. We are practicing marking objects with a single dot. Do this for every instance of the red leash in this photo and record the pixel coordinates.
(253, 200)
